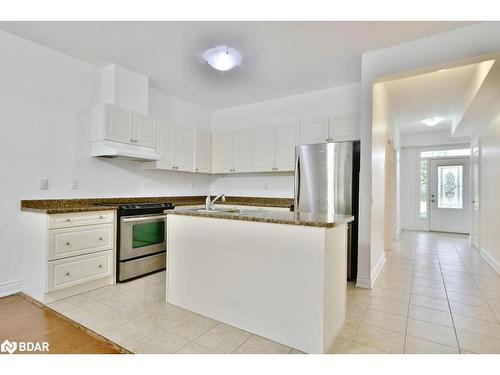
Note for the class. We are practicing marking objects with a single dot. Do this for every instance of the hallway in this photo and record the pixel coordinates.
(435, 294)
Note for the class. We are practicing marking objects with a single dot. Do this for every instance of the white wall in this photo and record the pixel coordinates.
(45, 97)
(308, 106)
(444, 48)
(383, 130)
(489, 203)
(125, 88)
(430, 138)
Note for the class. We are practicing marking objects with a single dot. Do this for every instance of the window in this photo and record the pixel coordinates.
(450, 186)
(424, 187)
(441, 153)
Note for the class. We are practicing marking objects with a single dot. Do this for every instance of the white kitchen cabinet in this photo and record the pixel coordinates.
(175, 144)
(275, 148)
(184, 149)
(314, 131)
(223, 155)
(264, 149)
(243, 151)
(67, 254)
(202, 151)
(118, 124)
(144, 130)
(287, 137)
(233, 151)
(119, 132)
(166, 144)
(115, 124)
(344, 127)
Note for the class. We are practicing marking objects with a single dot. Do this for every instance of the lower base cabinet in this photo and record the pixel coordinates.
(67, 254)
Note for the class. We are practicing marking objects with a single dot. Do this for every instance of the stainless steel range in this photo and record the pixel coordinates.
(141, 239)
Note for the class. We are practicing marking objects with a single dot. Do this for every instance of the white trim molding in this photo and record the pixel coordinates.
(491, 261)
(10, 287)
(368, 282)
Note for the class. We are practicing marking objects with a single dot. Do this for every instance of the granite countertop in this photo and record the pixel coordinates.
(265, 216)
(60, 206)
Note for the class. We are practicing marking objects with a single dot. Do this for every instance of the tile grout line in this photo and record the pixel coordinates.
(448, 301)
(361, 321)
(409, 303)
(478, 287)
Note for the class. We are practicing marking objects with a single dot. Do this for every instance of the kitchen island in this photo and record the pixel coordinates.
(277, 274)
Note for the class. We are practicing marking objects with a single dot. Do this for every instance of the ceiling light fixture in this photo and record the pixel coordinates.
(432, 121)
(222, 58)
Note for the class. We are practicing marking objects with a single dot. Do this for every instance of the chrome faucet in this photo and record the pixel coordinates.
(209, 204)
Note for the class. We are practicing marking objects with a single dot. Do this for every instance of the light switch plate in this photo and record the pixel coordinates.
(43, 184)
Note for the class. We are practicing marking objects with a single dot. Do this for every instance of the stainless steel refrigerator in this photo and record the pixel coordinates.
(327, 182)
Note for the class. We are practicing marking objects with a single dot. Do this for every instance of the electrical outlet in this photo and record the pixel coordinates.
(43, 184)
(74, 184)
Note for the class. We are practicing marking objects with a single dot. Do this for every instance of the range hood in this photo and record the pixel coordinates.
(109, 149)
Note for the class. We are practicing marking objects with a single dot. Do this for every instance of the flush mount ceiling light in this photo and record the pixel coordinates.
(433, 121)
(222, 58)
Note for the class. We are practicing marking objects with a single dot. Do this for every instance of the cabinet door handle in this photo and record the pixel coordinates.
(67, 274)
(68, 220)
(68, 243)
(100, 265)
(101, 217)
(196, 169)
(132, 140)
(100, 238)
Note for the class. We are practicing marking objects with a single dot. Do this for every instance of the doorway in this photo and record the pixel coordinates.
(449, 188)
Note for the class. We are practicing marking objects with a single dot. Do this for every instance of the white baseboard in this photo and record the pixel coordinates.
(368, 282)
(10, 287)
(491, 261)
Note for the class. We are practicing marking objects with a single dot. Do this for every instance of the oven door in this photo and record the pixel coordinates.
(142, 235)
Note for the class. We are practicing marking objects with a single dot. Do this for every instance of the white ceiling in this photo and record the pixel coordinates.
(279, 58)
(444, 94)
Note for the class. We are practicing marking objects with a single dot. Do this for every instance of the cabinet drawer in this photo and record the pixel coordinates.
(66, 242)
(80, 218)
(77, 270)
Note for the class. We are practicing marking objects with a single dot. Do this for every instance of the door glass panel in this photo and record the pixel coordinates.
(424, 183)
(146, 234)
(450, 186)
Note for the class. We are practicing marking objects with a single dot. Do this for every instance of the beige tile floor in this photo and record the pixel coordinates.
(135, 316)
(435, 294)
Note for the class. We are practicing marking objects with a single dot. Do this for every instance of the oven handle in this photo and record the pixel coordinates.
(143, 218)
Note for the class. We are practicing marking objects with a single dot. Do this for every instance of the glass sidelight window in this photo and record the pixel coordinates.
(146, 234)
(450, 186)
(424, 188)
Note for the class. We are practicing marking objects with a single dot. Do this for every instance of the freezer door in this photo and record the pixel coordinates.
(323, 178)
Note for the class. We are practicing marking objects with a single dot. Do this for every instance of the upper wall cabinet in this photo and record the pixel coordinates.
(344, 127)
(144, 130)
(119, 132)
(337, 128)
(274, 148)
(175, 145)
(202, 151)
(233, 151)
(314, 131)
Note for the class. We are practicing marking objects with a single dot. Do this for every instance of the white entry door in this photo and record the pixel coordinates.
(450, 195)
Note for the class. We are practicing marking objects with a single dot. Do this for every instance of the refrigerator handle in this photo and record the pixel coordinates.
(297, 183)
